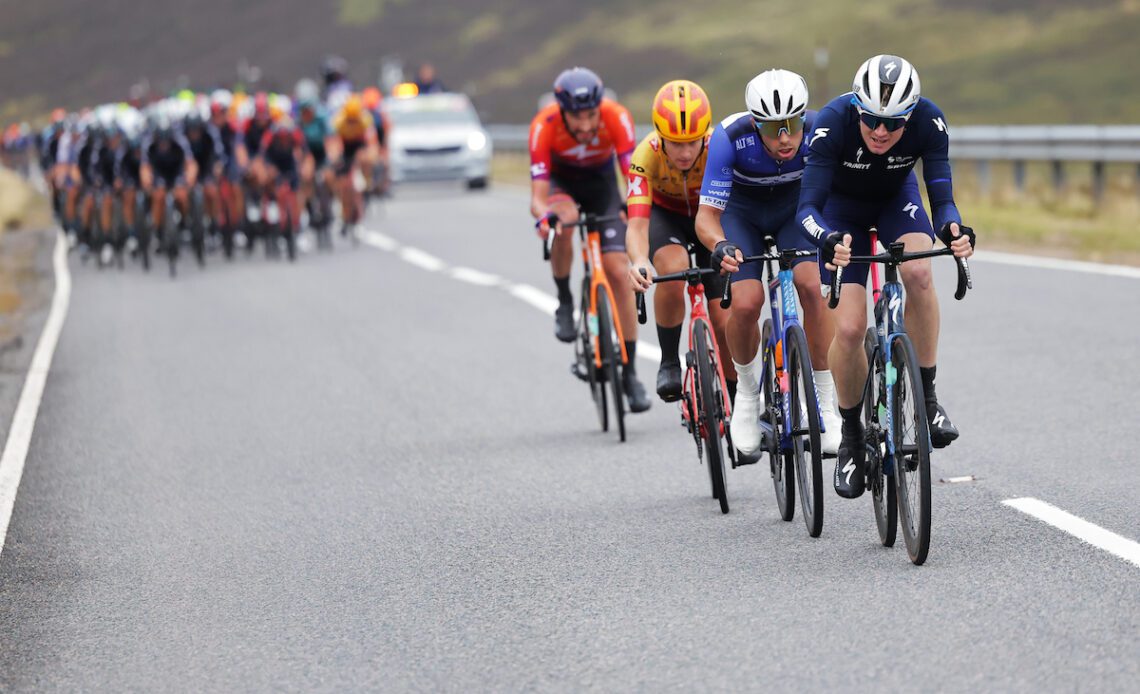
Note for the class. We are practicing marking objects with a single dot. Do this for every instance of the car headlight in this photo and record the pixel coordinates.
(476, 141)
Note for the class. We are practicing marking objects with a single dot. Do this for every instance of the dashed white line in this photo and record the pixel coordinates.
(534, 296)
(1093, 534)
(28, 407)
(421, 259)
(473, 276)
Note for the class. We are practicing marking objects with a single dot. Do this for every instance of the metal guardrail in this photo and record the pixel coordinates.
(1065, 143)
(1060, 145)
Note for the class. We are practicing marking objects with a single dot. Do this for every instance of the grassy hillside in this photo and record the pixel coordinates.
(984, 61)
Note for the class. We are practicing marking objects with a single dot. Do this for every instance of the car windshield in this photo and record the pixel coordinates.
(444, 109)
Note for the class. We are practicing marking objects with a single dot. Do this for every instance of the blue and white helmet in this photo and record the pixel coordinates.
(887, 86)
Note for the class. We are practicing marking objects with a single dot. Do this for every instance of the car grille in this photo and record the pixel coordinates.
(432, 151)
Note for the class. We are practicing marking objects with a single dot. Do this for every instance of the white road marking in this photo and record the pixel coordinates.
(958, 480)
(534, 296)
(1057, 264)
(483, 279)
(1079, 528)
(24, 420)
(421, 259)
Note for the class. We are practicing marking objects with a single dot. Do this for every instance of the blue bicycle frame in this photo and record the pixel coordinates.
(784, 315)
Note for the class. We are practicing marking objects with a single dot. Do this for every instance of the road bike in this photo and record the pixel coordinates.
(599, 350)
(705, 405)
(897, 433)
(788, 386)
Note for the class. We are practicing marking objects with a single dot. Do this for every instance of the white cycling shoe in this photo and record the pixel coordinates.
(830, 436)
(746, 422)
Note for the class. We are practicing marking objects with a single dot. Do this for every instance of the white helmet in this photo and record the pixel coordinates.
(887, 86)
(776, 95)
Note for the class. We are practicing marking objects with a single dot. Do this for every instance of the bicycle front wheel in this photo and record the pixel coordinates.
(911, 435)
(805, 423)
(610, 348)
(782, 467)
(882, 484)
(587, 368)
(711, 413)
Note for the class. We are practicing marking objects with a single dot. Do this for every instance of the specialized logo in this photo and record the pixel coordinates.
(849, 469)
(895, 306)
(819, 134)
(939, 123)
(938, 420)
(910, 208)
(891, 67)
(899, 162)
(859, 154)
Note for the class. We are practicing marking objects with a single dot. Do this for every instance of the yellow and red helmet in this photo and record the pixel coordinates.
(681, 112)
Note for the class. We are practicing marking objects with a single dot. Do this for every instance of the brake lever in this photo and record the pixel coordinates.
(640, 297)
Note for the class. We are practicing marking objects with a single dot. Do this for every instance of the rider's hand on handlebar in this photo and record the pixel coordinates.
(837, 250)
(963, 243)
(726, 257)
(641, 283)
(545, 224)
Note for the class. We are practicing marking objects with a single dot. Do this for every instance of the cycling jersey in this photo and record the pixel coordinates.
(127, 163)
(653, 180)
(352, 129)
(316, 131)
(207, 150)
(252, 135)
(553, 150)
(738, 162)
(169, 163)
(840, 164)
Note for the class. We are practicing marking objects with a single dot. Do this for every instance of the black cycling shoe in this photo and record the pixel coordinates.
(669, 382)
(942, 430)
(564, 322)
(849, 464)
(634, 392)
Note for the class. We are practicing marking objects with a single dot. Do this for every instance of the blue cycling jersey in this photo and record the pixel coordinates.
(316, 130)
(738, 161)
(840, 163)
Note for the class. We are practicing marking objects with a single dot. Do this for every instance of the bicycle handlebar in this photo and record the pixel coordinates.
(896, 256)
(588, 220)
(694, 275)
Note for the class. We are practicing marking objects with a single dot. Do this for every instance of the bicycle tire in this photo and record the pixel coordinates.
(782, 467)
(198, 227)
(586, 357)
(710, 414)
(883, 496)
(170, 238)
(142, 230)
(809, 461)
(912, 460)
(610, 348)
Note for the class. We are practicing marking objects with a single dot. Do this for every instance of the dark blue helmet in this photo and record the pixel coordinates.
(578, 89)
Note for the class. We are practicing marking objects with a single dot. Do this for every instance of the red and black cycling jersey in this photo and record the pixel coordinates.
(253, 135)
(279, 147)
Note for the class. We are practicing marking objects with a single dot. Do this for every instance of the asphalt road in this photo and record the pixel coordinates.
(355, 473)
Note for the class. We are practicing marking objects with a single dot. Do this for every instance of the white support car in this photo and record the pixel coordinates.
(437, 137)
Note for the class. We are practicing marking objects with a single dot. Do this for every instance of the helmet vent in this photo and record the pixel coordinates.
(906, 91)
(776, 96)
(764, 106)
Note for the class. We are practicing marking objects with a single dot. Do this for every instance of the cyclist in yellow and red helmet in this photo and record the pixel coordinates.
(663, 194)
(355, 131)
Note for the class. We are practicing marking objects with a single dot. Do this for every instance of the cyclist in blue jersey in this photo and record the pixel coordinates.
(751, 189)
(860, 175)
(318, 134)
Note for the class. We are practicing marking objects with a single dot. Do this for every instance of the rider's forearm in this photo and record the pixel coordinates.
(637, 239)
(539, 194)
(709, 230)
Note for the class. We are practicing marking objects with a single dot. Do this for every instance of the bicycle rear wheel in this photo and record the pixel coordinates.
(808, 459)
(912, 449)
(711, 413)
(882, 482)
(610, 348)
(170, 237)
(782, 467)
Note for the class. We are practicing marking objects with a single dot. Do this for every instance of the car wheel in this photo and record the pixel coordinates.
(476, 183)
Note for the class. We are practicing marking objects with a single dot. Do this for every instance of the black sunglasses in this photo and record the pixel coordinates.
(873, 122)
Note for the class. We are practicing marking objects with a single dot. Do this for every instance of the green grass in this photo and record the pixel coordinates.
(1037, 220)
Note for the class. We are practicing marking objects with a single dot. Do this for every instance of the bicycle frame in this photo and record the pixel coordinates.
(592, 263)
(888, 311)
(782, 303)
(698, 312)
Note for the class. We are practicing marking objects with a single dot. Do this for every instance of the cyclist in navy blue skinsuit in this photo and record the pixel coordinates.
(860, 174)
(751, 189)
